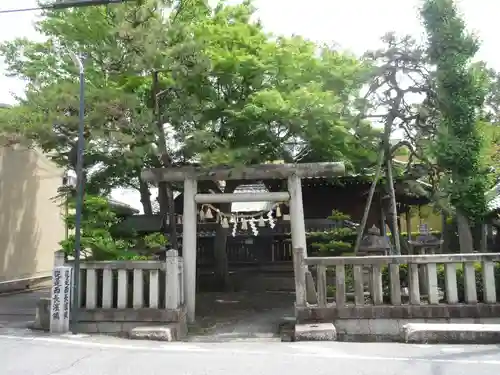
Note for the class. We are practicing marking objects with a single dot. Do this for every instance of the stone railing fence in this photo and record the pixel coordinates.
(422, 278)
(134, 284)
(406, 286)
(376, 297)
(116, 296)
(378, 277)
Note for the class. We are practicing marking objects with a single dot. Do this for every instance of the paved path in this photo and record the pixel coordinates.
(242, 316)
(22, 354)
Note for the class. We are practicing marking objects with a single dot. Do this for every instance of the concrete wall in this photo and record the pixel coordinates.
(31, 224)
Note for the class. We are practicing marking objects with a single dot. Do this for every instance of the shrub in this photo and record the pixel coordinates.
(333, 242)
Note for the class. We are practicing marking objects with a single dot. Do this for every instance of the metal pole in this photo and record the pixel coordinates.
(79, 197)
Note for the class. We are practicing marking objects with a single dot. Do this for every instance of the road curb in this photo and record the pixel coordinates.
(450, 333)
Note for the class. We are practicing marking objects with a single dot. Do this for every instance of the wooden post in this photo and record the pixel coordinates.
(189, 247)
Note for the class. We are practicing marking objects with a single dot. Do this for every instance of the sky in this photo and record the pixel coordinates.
(355, 25)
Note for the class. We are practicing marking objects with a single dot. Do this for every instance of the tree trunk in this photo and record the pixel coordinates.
(391, 223)
(393, 207)
(368, 205)
(165, 191)
(145, 197)
(445, 236)
(464, 233)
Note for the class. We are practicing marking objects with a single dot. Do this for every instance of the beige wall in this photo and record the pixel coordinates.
(31, 224)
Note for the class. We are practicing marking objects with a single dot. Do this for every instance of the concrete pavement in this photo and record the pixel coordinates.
(23, 353)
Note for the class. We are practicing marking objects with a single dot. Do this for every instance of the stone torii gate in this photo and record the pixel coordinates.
(293, 173)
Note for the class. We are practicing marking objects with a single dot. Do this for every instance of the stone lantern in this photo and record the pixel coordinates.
(424, 243)
(374, 244)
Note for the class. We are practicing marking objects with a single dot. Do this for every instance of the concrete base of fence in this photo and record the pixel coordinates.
(315, 332)
(122, 321)
(385, 323)
(451, 333)
(116, 321)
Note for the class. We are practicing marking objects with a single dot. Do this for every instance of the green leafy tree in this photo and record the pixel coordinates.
(257, 99)
(118, 45)
(460, 91)
(231, 93)
(97, 241)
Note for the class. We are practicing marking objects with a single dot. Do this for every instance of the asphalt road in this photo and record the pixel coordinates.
(22, 353)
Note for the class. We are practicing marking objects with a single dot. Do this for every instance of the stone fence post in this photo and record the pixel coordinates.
(172, 287)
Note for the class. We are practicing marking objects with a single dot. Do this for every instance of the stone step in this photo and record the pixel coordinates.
(315, 332)
(167, 332)
(451, 333)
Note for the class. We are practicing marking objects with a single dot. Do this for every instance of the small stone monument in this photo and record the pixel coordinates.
(60, 303)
